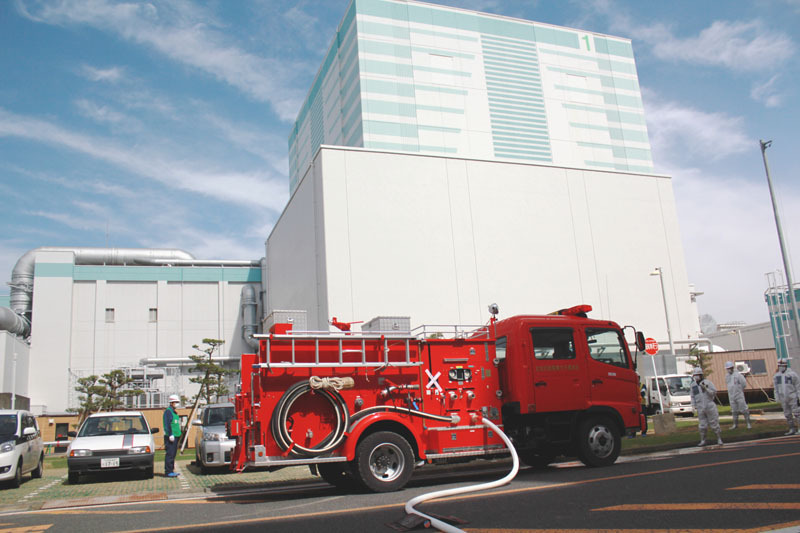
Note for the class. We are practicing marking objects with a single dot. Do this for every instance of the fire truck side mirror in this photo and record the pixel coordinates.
(640, 341)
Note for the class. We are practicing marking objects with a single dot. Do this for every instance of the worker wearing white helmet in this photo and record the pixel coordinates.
(787, 392)
(172, 432)
(703, 393)
(736, 384)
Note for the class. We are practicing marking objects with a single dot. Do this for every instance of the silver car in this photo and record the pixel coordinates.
(21, 447)
(212, 446)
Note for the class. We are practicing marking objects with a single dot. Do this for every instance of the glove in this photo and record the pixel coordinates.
(172, 438)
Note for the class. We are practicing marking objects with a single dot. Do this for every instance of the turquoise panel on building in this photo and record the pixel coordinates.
(146, 273)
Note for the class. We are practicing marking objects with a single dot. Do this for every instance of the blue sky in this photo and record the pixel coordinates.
(165, 124)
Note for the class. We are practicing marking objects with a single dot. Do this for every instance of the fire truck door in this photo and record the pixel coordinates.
(611, 375)
(559, 373)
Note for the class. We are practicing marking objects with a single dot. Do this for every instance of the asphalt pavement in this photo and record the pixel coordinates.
(53, 492)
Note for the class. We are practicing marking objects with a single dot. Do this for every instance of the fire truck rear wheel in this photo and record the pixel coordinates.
(598, 441)
(384, 462)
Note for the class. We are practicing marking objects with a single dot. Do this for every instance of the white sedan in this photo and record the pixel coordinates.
(112, 441)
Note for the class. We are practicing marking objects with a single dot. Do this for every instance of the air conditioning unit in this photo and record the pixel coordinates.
(742, 367)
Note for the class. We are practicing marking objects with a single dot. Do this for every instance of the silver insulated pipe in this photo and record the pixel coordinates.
(249, 314)
(22, 276)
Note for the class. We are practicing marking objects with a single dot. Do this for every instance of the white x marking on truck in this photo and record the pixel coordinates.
(434, 380)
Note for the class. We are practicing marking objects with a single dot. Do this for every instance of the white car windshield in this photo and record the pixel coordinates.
(113, 425)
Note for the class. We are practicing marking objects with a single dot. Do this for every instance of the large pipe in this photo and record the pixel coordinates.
(200, 262)
(12, 322)
(22, 276)
(249, 314)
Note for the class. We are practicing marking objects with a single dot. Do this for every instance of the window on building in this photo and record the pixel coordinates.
(153, 315)
(758, 367)
(109, 314)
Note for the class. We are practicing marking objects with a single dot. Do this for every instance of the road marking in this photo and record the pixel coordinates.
(41, 489)
(755, 506)
(100, 511)
(27, 529)
(472, 496)
(789, 486)
(772, 527)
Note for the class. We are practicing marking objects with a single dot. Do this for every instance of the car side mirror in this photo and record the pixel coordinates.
(72, 434)
(154, 430)
(29, 431)
(197, 422)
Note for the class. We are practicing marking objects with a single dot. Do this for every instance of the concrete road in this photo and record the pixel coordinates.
(751, 486)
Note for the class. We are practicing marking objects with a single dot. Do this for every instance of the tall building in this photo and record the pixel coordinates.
(421, 78)
(446, 159)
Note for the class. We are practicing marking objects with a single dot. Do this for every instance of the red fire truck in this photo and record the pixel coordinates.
(364, 408)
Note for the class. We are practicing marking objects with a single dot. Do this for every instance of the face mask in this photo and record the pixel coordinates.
(698, 378)
(782, 369)
(730, 371)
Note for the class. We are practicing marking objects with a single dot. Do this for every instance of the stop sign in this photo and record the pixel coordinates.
(650, 346)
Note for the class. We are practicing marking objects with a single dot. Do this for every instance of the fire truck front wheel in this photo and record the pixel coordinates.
(384, 461)
(598, 441)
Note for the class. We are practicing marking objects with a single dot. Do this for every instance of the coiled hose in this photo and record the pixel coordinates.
(328, 390)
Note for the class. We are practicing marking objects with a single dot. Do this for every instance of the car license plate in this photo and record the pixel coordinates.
(109, 462)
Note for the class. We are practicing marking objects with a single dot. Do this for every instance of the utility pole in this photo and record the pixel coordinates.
(786, 267)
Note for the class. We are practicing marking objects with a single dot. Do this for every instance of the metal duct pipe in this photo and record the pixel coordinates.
(249, 313)
(200, 262)
(13, 323)
(22, 276)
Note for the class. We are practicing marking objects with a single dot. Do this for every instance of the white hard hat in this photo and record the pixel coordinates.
(783, 362)
(174, 398)
(728, 364)
(697, 371)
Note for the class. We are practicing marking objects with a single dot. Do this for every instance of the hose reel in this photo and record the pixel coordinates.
(328, 388)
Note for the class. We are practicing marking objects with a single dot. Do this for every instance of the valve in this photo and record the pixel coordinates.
(470, 395)
(358, 402)
(453, 395)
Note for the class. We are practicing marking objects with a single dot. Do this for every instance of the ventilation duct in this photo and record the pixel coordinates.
(249, 314)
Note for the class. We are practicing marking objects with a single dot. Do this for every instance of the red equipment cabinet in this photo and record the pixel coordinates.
(365, 407)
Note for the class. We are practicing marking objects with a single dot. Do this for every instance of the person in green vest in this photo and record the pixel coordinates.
(172, 433)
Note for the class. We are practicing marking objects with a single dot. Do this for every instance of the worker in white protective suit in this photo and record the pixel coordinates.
(703, 394)
(736, 384)
(787, 392)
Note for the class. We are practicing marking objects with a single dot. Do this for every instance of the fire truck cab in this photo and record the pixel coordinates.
(569, 386)
(363, 408)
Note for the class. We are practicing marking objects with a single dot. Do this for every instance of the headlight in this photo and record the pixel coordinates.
(212, 436)
(7, 446)
(139, 449)
(80, 453)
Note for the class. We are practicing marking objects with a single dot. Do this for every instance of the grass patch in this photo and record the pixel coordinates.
(687, 434)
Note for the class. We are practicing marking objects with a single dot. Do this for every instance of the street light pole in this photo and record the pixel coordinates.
(786, 268)
(657, 272)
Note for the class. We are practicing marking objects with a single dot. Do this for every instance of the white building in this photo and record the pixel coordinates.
(489, 160)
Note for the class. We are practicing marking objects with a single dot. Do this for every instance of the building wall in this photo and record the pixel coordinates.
(439, 238)
(407, 76)
(93, 319)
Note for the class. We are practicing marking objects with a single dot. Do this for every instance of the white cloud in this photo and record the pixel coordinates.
(111, 75)
(183, 33)
(253, 189)
(730, 241)
(678, 132)
(101, 113)
(766, 93)
(738, 46)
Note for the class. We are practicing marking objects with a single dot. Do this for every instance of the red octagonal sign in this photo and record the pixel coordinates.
(650, 346)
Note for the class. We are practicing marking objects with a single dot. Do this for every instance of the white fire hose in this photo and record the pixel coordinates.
(444, 526)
